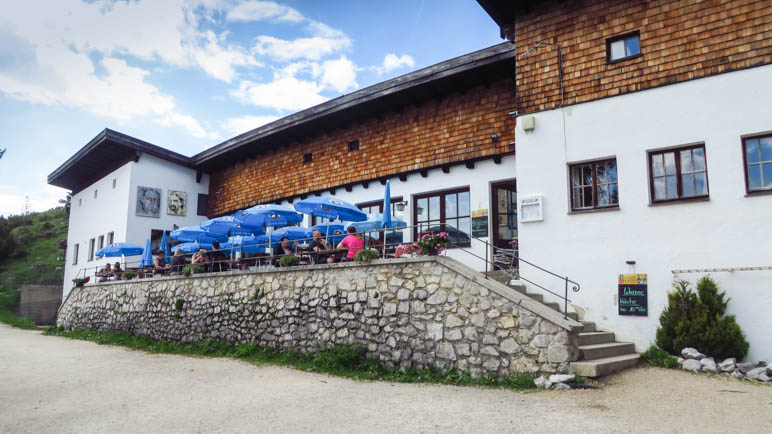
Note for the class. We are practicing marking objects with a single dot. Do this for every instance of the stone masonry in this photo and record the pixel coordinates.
(416, 311)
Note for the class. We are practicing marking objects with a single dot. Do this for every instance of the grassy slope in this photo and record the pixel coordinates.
(41, 259)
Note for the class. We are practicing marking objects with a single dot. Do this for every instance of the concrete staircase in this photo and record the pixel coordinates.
(599, 352)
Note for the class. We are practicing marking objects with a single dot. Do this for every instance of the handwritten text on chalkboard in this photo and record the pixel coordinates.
(633, 294)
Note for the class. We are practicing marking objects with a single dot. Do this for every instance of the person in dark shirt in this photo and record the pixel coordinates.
(284, 248)
(219, 259)
(178, 262)
(317, 245)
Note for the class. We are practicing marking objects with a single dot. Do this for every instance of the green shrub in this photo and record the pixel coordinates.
(364, 256)
(179, 304)
(289, 260)
(192, 269)
(128, 275)
(699, 321)
(656, 356)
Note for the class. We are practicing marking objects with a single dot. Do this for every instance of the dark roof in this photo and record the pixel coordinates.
(106, 152)
(472, 69)
(504, 13)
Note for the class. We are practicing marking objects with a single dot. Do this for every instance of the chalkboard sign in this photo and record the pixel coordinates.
(633, 294)
(480, 227)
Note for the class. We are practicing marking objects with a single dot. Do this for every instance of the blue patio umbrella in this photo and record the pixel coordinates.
(331, 208)
(387, 206)
(251, 244)
(196, 234)
(227, 225)
(294, 233)
(147, 256)
(191, 247)
(119, 249)
(165, 247)
(270, 215)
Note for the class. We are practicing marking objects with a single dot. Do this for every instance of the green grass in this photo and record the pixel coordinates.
(343, 360)
(11, 318)
(39, 258)
(656, 356)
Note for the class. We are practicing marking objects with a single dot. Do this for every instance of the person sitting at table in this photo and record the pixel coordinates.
(178, 261)
(159, 261)
(219, 259)
(353, 242)
(317, 245)
(284, 248)
(117, 270)
(105, 273)
(200, 258)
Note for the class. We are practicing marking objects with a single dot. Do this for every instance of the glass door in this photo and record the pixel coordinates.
(504, 219)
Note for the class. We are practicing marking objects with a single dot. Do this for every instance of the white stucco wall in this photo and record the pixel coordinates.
(478, 180)
(114, 209)
(728, 230)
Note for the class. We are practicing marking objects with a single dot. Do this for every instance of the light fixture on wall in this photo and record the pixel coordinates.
(400, 206)
(175, 227)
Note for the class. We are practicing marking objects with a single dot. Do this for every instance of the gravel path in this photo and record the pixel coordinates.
(52, 384)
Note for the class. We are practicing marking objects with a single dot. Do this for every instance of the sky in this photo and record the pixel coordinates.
(189, 74)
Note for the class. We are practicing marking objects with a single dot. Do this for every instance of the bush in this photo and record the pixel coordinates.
(656, 356)
(699, 321)
(128, 275)
(192, 269)
(365, 256)
(289, 260)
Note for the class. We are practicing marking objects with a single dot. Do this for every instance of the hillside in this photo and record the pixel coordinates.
(34, 254)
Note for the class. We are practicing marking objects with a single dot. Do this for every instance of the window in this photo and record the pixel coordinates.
(594, 185)
(101, 242)
(155, 239)
(444, 211)
(758, 163)
(623, 47)
(95, 193)
(307, 158)
(91, 249)
(678, 174)
(80, 201)
(201, 206)
(114, 181)
(110, 237)
(353, 145)
(376, 206)
(75, 251)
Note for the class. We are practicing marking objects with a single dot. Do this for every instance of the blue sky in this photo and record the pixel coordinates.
(188, 74)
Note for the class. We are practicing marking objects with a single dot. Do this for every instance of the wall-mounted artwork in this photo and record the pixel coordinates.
(176, 203)
(148, 202)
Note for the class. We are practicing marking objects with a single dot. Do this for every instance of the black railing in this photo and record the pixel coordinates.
(512, 269)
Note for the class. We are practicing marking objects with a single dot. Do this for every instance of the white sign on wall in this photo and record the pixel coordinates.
(529, 209)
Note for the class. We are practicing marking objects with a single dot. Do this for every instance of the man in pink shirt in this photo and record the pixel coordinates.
(353, 242)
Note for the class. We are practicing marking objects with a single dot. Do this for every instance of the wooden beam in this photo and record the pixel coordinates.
(383, 180)
(332, 191)
(497, 159)
(470, 164)
(366, 184)
(198, 176)
(402, 177)
(349, 188)
(424, 173)
(446, 168)
(136, 156)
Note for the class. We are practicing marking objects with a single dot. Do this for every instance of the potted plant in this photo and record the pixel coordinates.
(289, 261)
(79, 282)
(364, 256)
(432, 244)
(128, 275)
(192, 269)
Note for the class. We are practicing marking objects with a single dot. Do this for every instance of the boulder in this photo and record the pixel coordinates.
(765, 377)
(680, 361)
(727, 365)
(539, 382)
(746, 367)
(737, 374)
(561, 378)
(692, 365)
(708, 365)
(692, 353)
(755, 374)
(561, 386)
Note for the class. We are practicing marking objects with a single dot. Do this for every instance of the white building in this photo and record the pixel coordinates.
(106, 176)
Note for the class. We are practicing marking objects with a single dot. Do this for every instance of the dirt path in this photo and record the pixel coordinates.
(52, 384)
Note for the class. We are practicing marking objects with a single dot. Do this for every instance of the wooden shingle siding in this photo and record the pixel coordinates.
(452, 129)
(680, 40)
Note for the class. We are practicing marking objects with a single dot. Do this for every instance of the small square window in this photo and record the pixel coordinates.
(353, 145)
(101, 243)
(91, 244)
(758, 163)
(95, 193)
(623, 47)
(75, 254)
(80, 201)
(110, 237)
(678, 174)
(307, 158)
(594, 185)
(114, 182)
(202, 205)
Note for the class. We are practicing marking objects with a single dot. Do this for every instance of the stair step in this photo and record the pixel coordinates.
(535, 296)
(600, 351)
(604, 366)
(574, 316)
(518, 288)
(589, 327)
(593, 338)
(552, 305)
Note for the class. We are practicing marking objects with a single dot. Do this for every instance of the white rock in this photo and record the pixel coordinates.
(539, 382)
(755, 374)
(681, 361)
(561, 386)
(692, 353)
(727, 365)
(692, 365)
(765, 378)
(708, 365)
(561, 378)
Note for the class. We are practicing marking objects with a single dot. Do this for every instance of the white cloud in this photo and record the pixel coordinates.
(285, 93)
(45, 197)
(391, 62)
(242, 124)
(264, 11)
(189, 123)
(340, 74)
(219, 62)
(313, 48)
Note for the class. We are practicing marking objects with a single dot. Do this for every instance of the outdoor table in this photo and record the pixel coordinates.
(335, 253)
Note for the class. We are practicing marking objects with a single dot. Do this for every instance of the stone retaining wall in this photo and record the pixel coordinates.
(419, 311)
